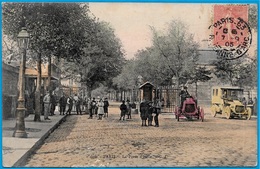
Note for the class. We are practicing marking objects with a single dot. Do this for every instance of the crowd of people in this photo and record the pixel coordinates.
(149, 111)
(67, 103)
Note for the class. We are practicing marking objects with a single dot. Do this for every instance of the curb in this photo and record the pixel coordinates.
(22, 160)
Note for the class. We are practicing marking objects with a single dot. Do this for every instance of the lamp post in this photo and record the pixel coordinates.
(23, 41)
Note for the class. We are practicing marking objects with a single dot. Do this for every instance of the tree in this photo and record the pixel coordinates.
(104, 61)
(177, 49)
(199, 74)
(247, 74)
(242, 71)
(53, 28)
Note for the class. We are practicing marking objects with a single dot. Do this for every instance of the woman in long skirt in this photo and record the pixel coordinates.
(100, 106)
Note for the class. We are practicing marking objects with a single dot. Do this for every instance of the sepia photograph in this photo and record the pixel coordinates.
(129, 84)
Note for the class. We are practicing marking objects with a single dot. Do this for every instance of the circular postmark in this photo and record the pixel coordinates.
(231, 37)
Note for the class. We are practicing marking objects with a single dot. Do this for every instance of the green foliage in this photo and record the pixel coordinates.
(199, 74)
(239, 72)
(66, 30)
(173, 53)
(106, 59)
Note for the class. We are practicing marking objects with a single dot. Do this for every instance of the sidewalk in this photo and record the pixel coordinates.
(16, 150)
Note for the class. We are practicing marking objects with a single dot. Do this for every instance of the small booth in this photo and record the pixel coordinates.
(146, 91)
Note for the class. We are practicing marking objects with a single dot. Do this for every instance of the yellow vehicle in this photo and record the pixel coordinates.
(226, 101)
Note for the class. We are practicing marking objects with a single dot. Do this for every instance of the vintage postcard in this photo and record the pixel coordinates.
(123, 84)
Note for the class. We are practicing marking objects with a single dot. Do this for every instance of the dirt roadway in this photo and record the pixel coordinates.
(83, 142)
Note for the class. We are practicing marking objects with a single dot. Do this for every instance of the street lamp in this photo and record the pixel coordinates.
(23, 42)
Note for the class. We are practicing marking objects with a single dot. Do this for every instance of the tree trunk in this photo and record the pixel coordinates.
(38, 102)
(196, 83)
(121, 91)
(177, 91)
(88, 88)
(49, 74)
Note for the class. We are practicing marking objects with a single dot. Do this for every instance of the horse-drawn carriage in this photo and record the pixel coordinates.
(189, 110)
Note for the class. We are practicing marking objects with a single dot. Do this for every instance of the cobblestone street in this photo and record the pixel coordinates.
(83, 142)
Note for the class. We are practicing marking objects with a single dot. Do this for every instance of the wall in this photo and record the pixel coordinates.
(9, 90)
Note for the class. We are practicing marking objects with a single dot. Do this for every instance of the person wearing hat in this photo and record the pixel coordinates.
(46, 101)
(184, 94)
(143, 112)
(106, 104)
(157, 111)
(89, 108)
(150, 113)
(78, 104)
(123, 109)
(96, 107)
(128, 112)
(100, 106)
(93, 108)
(70, 104)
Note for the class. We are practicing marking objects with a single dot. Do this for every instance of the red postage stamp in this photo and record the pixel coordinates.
(231, 35)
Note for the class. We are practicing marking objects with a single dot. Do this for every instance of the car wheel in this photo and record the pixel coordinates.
(213, 111)
(227, 112)
(249, 113)
(202, 114)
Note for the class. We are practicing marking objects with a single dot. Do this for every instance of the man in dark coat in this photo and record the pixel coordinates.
(93, 105)
(143, 112)
(184, 94)
(53, 104)
(157, 112)
(150, 113)
(78, 104)
(70, 103)
(106, 104)
(123, 109)
(62, 102)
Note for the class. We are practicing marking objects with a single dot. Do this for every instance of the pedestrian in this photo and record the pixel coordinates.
(88, 107)
(77, 104)
(106, 104)
(150, 114)
(133, 108)
(46, 102)
(53, 104)
(93, 107)
(84, 104)
(70, 104)
(143, 112)
(75, 97)
(123, 110)
(244, 102)
(42, 104)
(157, 112)
(250, 101)
(100, 106)
(162, 102)
(255, 106)
(62, 102)
(128, 105)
